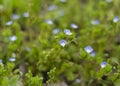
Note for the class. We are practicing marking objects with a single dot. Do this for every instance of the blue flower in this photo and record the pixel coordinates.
(74, 26)
(93, 53)
(9, 23)
(63, 42)
(63, 1)
(95, 22)
(15, 16)
(12, 59)
(0, 61)
(12, 38)
(88, 49)
(56, 31)
(109, 1)
(67, 32)
(52, 7)
(116, 19)
(26, 14)
(48, 21)
(103, 64)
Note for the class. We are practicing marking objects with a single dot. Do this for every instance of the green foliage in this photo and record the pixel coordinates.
(51, 75)
(31, 51)
(33, 81)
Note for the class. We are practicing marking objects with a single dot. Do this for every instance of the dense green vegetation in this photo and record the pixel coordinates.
(59, 43)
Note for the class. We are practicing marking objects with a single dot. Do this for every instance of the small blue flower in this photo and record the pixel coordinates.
(67, 32)
(26, 14)
(12, 59)
(12, 38)
(103, 64)
(74, 26)
(0, 61)
(63, 42)
(49, 21)
(95, 22)
(88, 49)
(116, 19)
(52, 7)
(15, 16)
(9, 23)
(63, 1)
(93, 53)
(109, 1)
(56, 31)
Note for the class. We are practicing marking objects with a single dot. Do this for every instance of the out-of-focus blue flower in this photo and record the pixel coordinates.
(26, 14)
(9, 23)
(93, 53)
(109, 1)
(0, 61)
(56, 31)
(103, 64)
(74, 26)
(88, 49)
(12, 38)
(15, 16)
(52, 7)
(63, 42)
(116, 19)
(95, 22)
(12, 59)
(49, 21)
(67, 32)
(63, 1)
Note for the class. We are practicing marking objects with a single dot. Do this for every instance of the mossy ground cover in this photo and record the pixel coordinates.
(59, 43)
